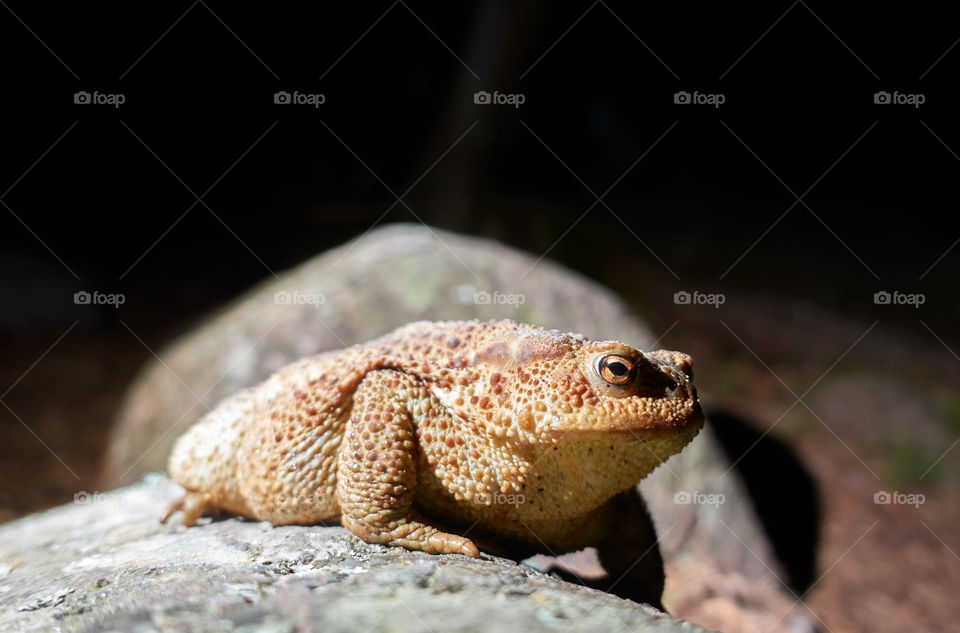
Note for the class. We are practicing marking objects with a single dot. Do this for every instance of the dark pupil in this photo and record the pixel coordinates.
(617, 368)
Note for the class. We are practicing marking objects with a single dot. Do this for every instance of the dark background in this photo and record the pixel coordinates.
(102, 198)
(199, 97)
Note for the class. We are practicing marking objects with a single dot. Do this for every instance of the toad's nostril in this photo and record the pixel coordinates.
(654, 379)
(684, 363)
(678, 360)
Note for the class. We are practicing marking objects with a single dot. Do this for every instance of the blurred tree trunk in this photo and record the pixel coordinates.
(497, 52)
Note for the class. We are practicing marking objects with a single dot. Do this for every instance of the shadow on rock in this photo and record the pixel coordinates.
(783, 493)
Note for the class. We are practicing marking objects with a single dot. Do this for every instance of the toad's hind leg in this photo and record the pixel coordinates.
(193, 504)
(377, 472)
(204, 460)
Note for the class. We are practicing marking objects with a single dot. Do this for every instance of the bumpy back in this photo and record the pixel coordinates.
(351, 294)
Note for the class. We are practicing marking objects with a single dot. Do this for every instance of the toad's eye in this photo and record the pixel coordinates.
(615, 369)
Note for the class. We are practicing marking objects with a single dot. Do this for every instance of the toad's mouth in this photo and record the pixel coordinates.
(630, 454)
(686, 416)
(688, 428)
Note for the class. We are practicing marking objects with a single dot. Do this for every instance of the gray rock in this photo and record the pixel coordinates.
(403, 273)
(105, 563)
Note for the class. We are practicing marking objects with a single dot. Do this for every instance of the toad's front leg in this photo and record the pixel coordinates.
(376, 471)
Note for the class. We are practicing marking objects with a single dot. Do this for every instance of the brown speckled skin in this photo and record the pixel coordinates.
(503, 430)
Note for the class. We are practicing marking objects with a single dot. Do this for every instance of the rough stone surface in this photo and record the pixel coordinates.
(107, 564)
(402, 273)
